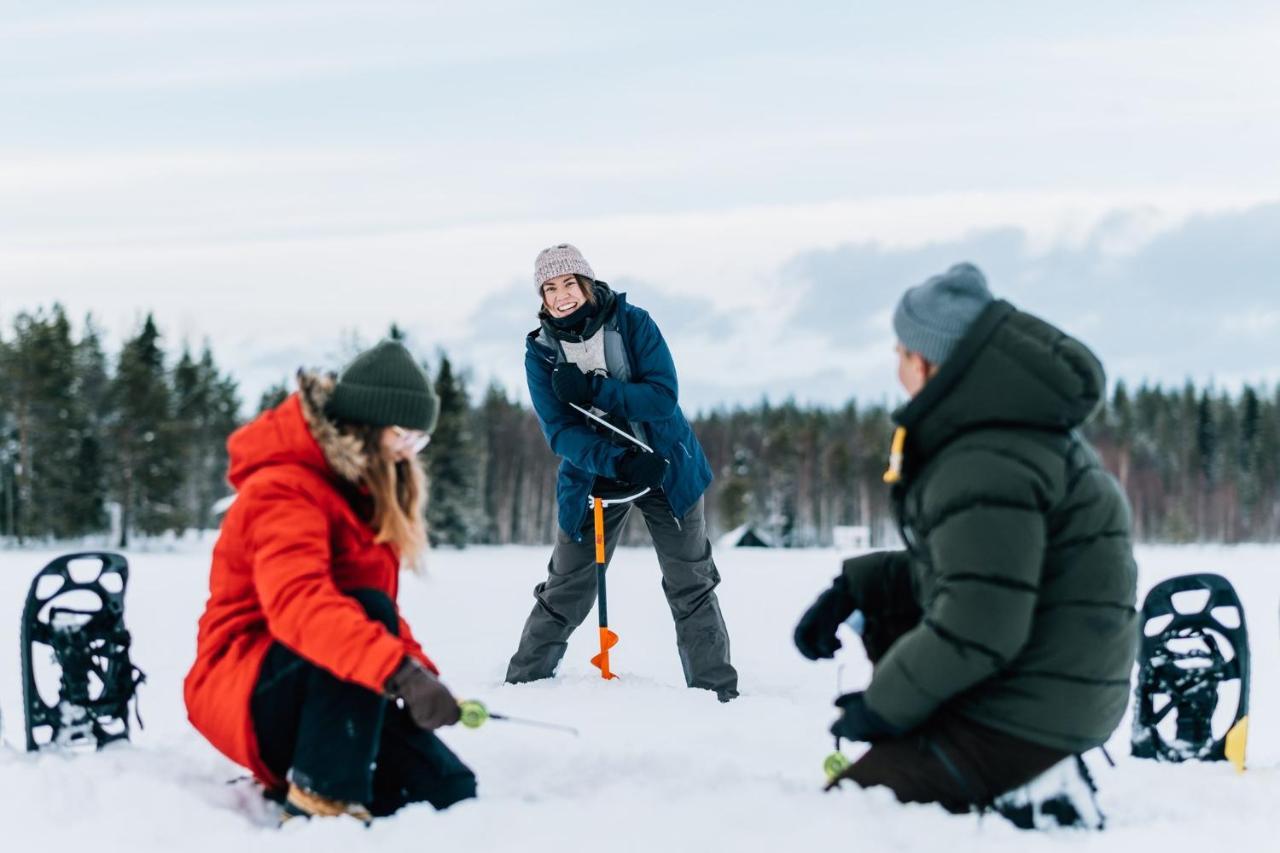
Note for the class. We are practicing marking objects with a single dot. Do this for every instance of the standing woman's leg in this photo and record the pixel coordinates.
(564, 599)
(689, 579)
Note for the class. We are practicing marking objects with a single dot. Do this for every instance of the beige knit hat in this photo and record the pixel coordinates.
(559, 260)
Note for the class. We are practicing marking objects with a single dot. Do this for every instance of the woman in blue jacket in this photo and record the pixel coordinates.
(596, 351)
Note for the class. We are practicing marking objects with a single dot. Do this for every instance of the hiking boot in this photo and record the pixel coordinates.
(300, 802)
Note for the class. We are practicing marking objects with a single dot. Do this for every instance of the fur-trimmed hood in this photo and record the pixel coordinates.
(297, 432)
(343, 452)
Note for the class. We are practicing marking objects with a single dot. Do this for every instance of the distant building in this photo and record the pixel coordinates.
(746, 536)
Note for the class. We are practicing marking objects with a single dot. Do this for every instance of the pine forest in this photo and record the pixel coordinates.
(132, 444)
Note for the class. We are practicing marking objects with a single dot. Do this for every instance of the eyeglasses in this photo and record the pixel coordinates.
(410, 439)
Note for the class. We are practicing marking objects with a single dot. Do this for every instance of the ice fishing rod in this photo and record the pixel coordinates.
(837, 762)
(474, 714)
(628, 436)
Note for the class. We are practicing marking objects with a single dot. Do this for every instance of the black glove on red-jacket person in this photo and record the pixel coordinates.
(428, 701)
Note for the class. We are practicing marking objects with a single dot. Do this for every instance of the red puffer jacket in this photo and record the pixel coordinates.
(290, 544)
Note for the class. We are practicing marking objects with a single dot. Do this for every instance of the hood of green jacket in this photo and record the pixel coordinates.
(1011, 369)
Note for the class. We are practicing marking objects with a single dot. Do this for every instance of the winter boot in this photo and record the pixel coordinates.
(1063, 796)
(300, 802)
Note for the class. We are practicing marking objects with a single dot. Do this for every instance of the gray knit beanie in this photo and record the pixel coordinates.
(559, 260)
(384, 386)
(931, 318)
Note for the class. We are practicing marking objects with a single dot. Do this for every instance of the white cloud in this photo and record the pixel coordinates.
(269, 173)
(1254, 324)
(258, 297)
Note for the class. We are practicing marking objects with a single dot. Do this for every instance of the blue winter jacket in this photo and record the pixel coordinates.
(649, 398)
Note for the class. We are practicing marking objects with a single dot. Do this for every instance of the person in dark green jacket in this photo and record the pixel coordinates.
(1003, 636)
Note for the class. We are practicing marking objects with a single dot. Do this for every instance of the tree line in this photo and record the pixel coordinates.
(84, 438)
(135, 445)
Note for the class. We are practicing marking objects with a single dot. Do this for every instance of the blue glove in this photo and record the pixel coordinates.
(858, 722)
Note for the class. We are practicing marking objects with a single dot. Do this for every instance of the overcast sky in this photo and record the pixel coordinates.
(278, 176)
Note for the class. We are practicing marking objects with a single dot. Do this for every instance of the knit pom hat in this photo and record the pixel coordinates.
(559, 260)
(931, 318)
(384, 386)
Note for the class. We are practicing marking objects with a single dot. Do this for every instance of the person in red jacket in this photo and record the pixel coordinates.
(305, 671)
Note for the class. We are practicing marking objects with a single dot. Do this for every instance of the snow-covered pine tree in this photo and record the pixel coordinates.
(205, 409)
(92, 387)
(453, 461)
(147, 467)
(49, 436)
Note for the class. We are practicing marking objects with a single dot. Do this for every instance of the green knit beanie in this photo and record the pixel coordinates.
(384, 386)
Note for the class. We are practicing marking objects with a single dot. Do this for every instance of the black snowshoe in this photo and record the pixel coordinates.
(1195, 650)
(80, 693)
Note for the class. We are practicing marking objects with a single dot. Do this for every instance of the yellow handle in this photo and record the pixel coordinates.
(894, 474)
(599, 524)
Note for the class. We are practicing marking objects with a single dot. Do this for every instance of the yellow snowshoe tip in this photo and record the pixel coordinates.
(1237, 740)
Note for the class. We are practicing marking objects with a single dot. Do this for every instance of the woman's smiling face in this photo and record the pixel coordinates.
(562, 295)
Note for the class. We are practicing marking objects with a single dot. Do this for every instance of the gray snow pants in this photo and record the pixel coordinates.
(689, 579)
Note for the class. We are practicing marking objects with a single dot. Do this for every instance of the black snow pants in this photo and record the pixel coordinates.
(689, 579)
(949, 760)
(345, 742)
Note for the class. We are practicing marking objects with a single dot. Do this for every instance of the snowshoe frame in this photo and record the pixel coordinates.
(1191, 679)
(83, 643)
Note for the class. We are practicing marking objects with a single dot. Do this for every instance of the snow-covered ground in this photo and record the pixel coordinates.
(657, 767)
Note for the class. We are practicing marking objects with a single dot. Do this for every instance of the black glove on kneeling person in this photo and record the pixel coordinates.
(858, 722)
(815, 635)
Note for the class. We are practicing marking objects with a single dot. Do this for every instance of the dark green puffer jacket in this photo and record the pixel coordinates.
(1018, 550)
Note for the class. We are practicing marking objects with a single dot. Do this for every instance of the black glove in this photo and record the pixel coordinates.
(429, 703)
(858, 722)
(571, 385)
(642, 468)
(815, 635)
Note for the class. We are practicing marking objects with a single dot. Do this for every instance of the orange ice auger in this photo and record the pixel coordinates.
(608, 639)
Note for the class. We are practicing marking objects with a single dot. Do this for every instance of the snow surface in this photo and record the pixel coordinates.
(658, 767)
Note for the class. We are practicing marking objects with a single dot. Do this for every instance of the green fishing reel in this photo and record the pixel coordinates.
(835, 764)
(473, 713)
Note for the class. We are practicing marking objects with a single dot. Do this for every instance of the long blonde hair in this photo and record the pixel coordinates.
(399, 492)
